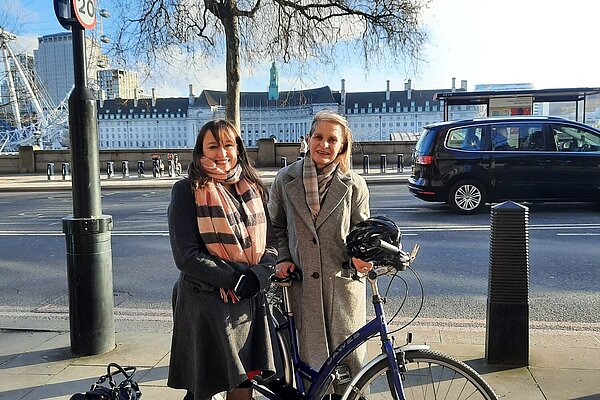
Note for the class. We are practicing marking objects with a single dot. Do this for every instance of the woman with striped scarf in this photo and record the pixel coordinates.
(314, 203)
(225, 248)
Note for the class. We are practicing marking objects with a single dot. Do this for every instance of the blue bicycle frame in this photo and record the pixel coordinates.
(322, 379)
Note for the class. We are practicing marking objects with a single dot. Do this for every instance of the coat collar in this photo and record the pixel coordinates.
(336, 193)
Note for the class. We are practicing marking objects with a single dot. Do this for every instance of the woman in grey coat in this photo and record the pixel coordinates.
(314, 203)
(223, 243)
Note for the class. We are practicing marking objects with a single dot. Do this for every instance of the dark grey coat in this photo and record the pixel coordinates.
(214, 343)
(327, 305)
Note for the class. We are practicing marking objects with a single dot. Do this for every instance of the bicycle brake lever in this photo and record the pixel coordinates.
(415, 250)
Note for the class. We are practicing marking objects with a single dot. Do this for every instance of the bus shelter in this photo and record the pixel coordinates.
(518, 101)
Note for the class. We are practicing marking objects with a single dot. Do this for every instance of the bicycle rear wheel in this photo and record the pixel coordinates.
(429, 375)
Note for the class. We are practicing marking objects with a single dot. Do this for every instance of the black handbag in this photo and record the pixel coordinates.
(127, 389)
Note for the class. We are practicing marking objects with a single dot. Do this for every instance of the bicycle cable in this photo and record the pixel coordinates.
(406, 296)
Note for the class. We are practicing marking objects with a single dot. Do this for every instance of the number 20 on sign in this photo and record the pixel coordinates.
(85, 11)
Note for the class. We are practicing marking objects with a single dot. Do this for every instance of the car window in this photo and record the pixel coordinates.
(465, 138)
(532, 138)
(503, 137)
(518, 137)
(571, 138)
(425, 141)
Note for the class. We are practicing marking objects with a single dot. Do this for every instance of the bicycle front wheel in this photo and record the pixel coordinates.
(428, 375)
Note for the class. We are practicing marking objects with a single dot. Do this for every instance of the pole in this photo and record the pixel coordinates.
(87, 231)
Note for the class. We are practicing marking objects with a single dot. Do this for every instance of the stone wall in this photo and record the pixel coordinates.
(267, 154)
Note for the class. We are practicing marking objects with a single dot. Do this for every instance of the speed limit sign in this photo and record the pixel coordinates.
(85, 11)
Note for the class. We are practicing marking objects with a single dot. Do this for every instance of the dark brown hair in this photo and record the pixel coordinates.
(220, 128)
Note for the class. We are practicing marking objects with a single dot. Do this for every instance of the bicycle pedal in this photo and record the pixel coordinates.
(342, 374)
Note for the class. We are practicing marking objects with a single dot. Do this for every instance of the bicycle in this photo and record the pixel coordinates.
(410, 371)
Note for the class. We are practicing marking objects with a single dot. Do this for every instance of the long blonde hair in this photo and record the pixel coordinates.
(344, 155)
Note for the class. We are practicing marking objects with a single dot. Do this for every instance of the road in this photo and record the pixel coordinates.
(453, 261)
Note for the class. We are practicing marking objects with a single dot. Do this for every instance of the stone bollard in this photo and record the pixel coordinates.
(365, 164)
(400, 165)
(110, 169)
(140, 169)
(382, 163)
(283, 162)
(65, 171)
(507, 327)
(50, 171)
(125, 169)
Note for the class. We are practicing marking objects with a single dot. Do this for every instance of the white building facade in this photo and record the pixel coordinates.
(175, 122)
(54, 64)
(117, 83)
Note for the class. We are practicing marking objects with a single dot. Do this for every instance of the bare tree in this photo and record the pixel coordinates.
(301, 30)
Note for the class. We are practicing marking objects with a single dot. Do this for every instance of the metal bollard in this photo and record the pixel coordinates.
(507, 327)
(50, 171)
(125, 169)
(283, 162)
(382, 163)
(365, 164)
(171, 168)
(351, 162)
(65, 170)
(140, 169)
(110, 169)
(400, 166)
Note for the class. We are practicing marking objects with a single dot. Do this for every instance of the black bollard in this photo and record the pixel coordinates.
(65, 170)
(125, 169)
(50, 171)
(400, 166)
(140, 169)
(507, 328)
(365, 164)
(283, 162)
(110, 169)
(382, 163)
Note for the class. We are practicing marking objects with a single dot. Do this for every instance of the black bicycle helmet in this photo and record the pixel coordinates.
(359, 242)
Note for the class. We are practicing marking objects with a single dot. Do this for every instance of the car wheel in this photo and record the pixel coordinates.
(467, 197)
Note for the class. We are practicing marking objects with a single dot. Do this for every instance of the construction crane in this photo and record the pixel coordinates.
(47, 124)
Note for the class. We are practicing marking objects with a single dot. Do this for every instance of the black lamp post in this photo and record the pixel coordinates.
(87, 231)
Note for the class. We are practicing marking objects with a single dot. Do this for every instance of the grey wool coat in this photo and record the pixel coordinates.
(214, 343)
(328, 307)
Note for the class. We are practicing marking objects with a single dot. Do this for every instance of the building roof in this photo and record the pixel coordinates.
(144, 106)
(420, 97)
(322, 95)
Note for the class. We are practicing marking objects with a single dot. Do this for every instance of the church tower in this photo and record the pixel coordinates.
(274, 83)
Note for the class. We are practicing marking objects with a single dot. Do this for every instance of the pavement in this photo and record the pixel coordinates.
(36, 361)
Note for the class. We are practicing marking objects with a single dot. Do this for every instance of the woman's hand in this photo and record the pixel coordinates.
(362, 266)
(283, 269)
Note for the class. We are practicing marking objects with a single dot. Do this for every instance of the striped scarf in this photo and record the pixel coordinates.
(316, 183)
(230, 233)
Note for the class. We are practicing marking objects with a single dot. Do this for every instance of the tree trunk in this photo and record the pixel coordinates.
(232, 67)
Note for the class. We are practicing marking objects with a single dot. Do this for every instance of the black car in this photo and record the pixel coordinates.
(472, 162)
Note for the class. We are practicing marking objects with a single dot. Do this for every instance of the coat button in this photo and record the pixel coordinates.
(315, 240)
(315, 275)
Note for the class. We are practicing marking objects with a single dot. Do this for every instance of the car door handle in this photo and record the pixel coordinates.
(564, 162)
(543, 162)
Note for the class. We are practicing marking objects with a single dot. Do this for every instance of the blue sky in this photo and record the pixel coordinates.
(548, 43)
